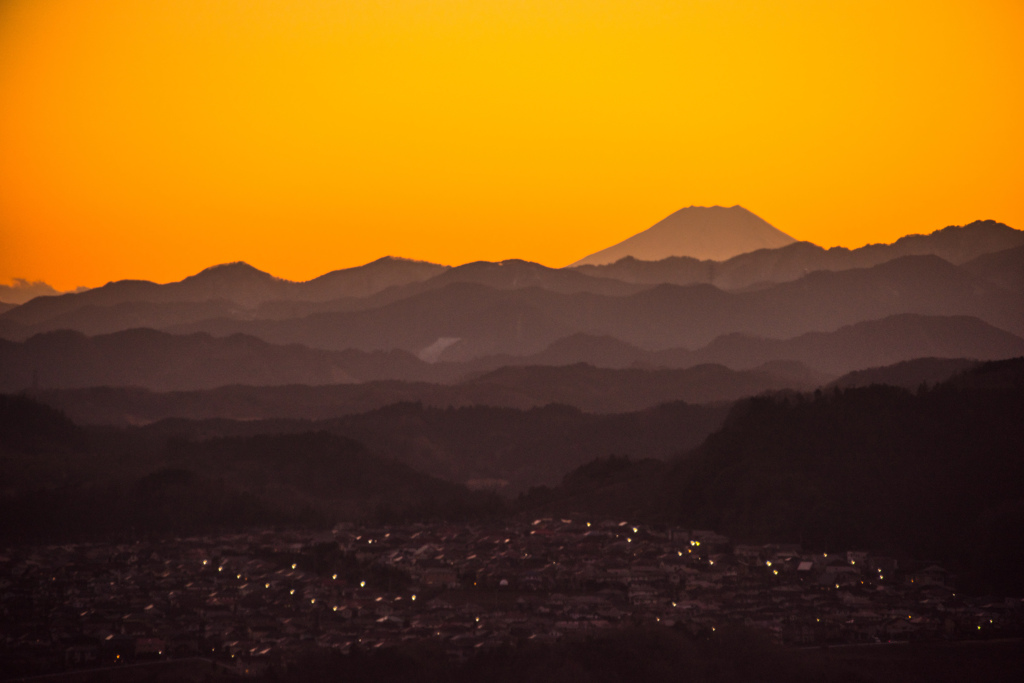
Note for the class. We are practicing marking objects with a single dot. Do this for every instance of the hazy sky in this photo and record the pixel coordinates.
(152, 138)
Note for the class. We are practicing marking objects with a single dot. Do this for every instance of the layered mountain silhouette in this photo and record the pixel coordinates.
(520, 308)
(1004, 268)
(911, 374)
(958, 245)
(930, 473)
(521, 322)
(228, 287)
(797, 314)
(65, 482)
(748, 391)
(584, 387)
(700, 232)
(164, 362)
(861, 345)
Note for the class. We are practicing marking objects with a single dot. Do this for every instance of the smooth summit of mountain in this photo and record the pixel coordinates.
(712, 233)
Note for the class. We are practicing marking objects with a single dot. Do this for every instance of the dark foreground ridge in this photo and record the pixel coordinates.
(933, 473)
(851, 516)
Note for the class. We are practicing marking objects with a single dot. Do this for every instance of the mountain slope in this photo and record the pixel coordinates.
(700, 232)
(861, 345)
(164, 362)
(1004, 268)
(928, 475)
(958, 245)
(526, 321)
(581, 386)
(65, 482)
(866, 344)
(238, 285)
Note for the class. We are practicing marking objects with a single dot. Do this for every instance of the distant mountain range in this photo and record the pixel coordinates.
(485, 321)
(581, 386)
(232, 287)
(861, 345)
(975, 245)
(165, 362)
(700, 232)
(797, 312)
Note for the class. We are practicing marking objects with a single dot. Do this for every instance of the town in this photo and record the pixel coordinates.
(251, 603)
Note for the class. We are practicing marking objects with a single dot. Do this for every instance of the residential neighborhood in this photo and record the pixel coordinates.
(252, 603)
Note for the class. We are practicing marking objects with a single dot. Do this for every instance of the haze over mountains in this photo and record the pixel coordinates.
(797, 314)
(763, 396)
(165, 362)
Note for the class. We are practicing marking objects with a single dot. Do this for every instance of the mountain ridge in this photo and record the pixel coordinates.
(956, 244)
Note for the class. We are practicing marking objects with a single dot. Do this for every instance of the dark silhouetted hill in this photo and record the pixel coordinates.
(485, 446)
(933, 474)
(909, 374)
(582, 386)
(63, 482)
(616, 390)
(1003, 268)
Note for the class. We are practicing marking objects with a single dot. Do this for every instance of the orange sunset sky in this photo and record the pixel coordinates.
(151, 139)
